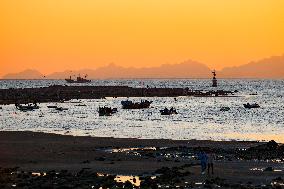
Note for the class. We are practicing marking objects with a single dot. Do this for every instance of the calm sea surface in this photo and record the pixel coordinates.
(198, 118)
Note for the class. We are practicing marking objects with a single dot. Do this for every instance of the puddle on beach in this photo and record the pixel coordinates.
(277, 183)
(158, 152)
(267, 169)
(199, 183)
(38, 174)
(135, 180)
(117, 150)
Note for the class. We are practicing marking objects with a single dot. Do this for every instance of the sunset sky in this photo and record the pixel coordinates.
(58, 35)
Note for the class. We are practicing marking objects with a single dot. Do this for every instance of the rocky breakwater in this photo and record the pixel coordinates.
(58, 93)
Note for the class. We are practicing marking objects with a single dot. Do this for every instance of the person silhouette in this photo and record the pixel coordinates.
(210, 161)
(203, 161)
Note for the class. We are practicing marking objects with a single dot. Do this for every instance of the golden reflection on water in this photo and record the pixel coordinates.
(257, 137)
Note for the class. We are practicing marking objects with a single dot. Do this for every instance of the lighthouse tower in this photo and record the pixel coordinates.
(214, 80)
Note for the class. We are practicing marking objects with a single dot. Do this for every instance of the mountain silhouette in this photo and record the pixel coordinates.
(187, 69)
(272, 67)
(26, 74)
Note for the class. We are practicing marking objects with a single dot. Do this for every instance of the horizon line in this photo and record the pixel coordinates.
(170, 78)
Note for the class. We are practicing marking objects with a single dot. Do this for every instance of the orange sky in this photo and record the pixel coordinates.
(56, 35)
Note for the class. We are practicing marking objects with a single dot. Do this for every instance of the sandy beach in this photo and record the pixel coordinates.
(236, 162)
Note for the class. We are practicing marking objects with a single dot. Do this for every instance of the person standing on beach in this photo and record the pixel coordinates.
(203, 160)
(211, 157)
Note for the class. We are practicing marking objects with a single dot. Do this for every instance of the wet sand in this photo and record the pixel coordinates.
(41, 152)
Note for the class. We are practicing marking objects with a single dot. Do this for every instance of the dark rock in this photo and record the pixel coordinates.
(86, 161)
(268, 169)
(100, 159)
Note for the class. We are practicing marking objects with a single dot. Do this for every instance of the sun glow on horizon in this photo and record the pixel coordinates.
(58, 35)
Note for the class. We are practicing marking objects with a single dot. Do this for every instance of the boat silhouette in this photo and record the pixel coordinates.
(127, 104)
(79, 79)
(249, 106)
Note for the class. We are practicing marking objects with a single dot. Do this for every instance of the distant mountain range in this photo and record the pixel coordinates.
(272, 67)
(27, 74)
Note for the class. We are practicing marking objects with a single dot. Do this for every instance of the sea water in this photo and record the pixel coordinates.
(197, 118)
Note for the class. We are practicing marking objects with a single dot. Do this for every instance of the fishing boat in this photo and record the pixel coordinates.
(253, 94)
(52, 107)
(128, 104)
(167, 111)
(29, 107)
(79, 79)
(224, 109)
(61, 109)
(249, 106)
(106, 111)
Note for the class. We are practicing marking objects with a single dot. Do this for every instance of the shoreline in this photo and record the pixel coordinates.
(142, 141)
(232, 140)
(45, 152)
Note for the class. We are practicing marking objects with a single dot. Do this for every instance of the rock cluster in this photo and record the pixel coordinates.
(268, 151)
(11, 178)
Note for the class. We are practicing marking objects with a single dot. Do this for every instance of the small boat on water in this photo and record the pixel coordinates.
(75, 102)
(29, 107)
(253, 94)
(61, 109)
(106, 111)
(249, 106)
(81, 105)
(52, 107)
(79, 79)
(128, 104)
(167, 111)
(224, 109)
